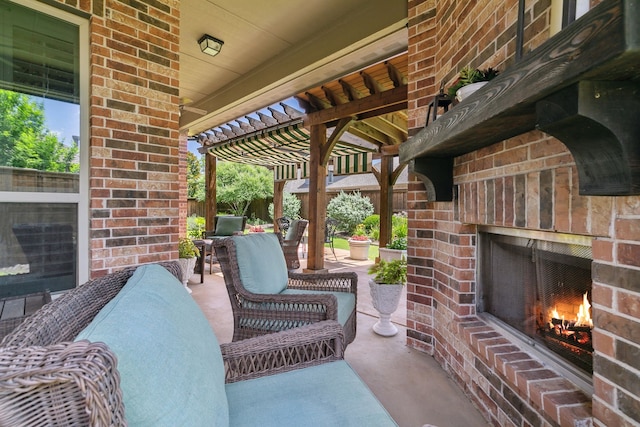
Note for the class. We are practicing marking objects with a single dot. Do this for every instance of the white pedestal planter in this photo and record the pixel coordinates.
(387, 254)
(187, 265)
(385, 299)
(359, 249)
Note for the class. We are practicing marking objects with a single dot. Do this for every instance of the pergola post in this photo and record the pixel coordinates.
(210, 190)
(278, 199)
(317, 198)
(386, 200)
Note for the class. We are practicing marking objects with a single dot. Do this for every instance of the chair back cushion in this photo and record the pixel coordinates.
(292, 231)
(227, 225)
(263, 269)
(169, 359)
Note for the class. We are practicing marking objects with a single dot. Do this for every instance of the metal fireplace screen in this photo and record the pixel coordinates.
(542, 289)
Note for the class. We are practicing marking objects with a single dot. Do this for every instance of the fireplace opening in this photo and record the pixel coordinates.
(542, 289)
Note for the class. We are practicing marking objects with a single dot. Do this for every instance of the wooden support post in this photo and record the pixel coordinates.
(278, 198)
(386, 200)
(210, 190)
(317, 199)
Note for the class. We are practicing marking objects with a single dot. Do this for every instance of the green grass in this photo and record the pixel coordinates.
(341, 243)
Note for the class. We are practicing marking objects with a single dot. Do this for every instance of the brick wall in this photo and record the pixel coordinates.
(528, 182)
(134, 142)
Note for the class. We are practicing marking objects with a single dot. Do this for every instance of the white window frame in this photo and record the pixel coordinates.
(81, 199)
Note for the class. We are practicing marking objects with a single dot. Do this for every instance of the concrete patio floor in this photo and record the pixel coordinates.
(409, 384)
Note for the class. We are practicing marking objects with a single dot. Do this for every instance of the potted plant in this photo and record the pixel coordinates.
(396, 249)
(469, 81)
(256, 229)
(386, 288)
(188, 253)
(359, 244)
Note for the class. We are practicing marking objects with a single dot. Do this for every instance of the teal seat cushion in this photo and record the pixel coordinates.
(170, 364)
(263, 269)
(227, 225)
(346, 302)
(330, 394)
(291, 231)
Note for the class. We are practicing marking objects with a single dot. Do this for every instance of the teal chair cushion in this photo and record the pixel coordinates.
(170, 364)
(346, 301)
(263, 269)
(227, 225)
(330, 394)
(291, 231)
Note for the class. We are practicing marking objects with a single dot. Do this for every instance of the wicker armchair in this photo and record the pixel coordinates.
(282, 224)
(223, 226)
(291, 241)
(306, 299)
(48, 379)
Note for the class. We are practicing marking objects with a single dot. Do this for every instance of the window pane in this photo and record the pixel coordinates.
(39, 102)
(38, 247)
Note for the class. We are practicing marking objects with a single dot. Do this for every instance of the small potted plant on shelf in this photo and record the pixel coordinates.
(359, 244)
(188, 253)
(469, 81)
(386, 289)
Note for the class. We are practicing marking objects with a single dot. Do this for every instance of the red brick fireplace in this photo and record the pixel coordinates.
(525, 185)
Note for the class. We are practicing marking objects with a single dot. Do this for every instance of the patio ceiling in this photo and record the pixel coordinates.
(274, 50)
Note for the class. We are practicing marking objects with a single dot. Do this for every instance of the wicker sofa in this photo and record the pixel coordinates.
(132, 348)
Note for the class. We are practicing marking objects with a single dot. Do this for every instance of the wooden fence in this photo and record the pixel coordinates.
(260, 208)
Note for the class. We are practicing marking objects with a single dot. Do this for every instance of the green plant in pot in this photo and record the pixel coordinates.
(395, 249)
(470, 76)
(386, 289)
(188, 253)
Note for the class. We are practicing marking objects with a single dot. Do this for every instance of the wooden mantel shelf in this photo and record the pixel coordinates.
(581, 86)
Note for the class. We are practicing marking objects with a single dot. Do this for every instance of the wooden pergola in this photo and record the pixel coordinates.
(345, 125)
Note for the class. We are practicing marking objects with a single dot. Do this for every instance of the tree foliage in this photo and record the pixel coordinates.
(238, 185)
(195, 177)
(290, 206)
(25, 142)
(349, 210)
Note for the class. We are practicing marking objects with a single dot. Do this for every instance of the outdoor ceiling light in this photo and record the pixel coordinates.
(210, 45)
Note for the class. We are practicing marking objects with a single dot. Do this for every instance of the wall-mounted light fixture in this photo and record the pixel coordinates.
(210, 45)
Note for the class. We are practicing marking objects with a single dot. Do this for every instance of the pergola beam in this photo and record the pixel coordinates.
(372, 104)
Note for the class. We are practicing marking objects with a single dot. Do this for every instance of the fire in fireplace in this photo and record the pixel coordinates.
(540, 288)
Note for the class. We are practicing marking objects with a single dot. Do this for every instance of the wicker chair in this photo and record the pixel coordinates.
(223, 226)
(291, 241)
(283, 225)
(306, 298)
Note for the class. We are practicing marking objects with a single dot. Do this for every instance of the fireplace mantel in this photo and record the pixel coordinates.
(581, 86)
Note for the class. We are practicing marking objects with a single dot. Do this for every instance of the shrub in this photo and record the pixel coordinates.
(195, 226)
(399, 225)
(349, 210)
(372, 226)
(290, 207)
